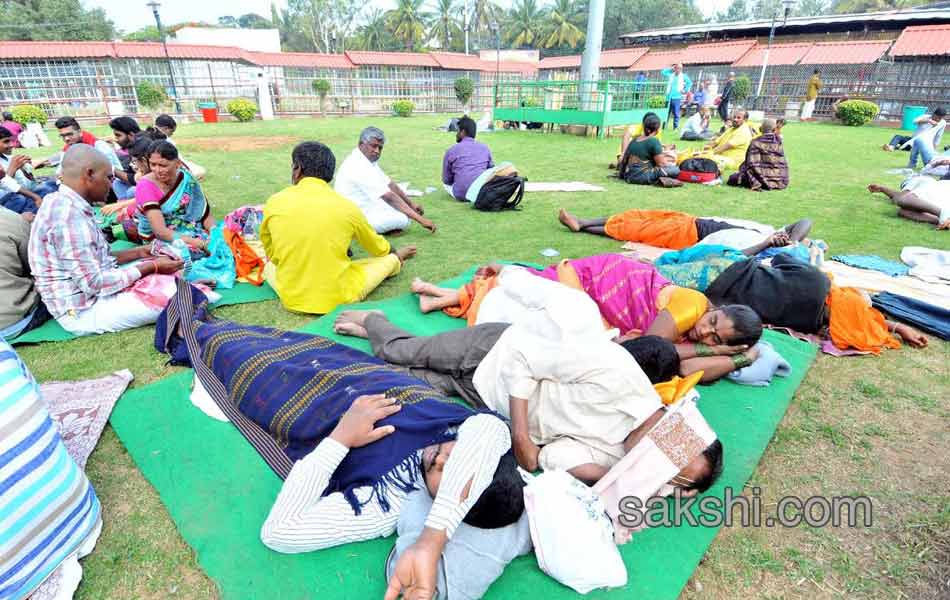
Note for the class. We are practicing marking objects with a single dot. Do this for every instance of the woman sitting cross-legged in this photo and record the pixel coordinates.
(169, 203)
(632, 297)
(645, 162)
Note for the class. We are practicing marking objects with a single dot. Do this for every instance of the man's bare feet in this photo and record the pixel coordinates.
(874, 188)
(944, 226)
(418, 286)
(428, 304)
(568, 220)
(351, 322)
(887, 148)
(405, 253)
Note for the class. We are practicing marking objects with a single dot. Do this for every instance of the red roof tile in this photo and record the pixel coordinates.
(655, 61)
(181, 51)
(845, 53)
(780, 54)
(560, 62)
(395, 59)
(513, 66)
(300, 59)
(32, 50)
(723, 53)
(621, 58)
(456, 61)
(923, 40)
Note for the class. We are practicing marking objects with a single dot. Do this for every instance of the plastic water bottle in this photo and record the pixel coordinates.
(252, 225)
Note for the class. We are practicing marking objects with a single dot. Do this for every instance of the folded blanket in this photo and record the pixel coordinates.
(874, 263)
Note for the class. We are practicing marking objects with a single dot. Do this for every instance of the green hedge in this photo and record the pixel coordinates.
(403, 108)
(242, 109)
(656, 102)
(857, 112)
(29, 113)
(150, 95)
(464, 88)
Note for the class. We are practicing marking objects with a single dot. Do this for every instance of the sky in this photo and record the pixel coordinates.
(130, 15)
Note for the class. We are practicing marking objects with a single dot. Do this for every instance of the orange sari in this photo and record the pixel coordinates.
(661, 228)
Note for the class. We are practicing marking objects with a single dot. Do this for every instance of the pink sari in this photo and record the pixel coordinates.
(624, 289)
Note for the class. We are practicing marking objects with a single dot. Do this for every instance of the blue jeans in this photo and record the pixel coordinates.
(675, 105)
(123, 191)
(922, 148)
(18, 203)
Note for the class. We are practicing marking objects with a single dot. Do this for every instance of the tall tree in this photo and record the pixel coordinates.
(254, 21)
(320, 25)
(738, 10)
(626, 16)
(408, 22)
(525, 23)
(445, 26)
(228, 21)
(30, 20)
(860, 6)
(812, 8)
(481, 16)
(374, 33)
(146, 34)
(565, 25)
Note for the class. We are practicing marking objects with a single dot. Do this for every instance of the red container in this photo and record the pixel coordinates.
(209, 115)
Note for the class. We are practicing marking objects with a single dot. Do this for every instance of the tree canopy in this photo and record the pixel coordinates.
(53, 20)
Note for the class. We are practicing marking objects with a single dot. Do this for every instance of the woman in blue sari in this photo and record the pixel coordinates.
(169, 203)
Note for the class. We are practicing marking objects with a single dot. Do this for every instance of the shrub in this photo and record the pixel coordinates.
(403, 108)
(150, 95)
(531, 102)
(656, 102)
(742, 88)
(29, 113)
(857, 112)
(242, 109)
(321, 87)
(464, 88)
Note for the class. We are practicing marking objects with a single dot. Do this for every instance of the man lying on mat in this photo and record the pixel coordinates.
(676, 230)
(350, 435)
(577, 401)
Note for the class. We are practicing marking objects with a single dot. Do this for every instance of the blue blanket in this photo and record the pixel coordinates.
(873, 263)
(927, 317)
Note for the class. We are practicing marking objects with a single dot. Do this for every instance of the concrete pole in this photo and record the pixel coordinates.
(590, 64)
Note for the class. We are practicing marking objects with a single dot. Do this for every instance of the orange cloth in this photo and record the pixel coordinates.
(471, 296)
(674, 389)
(853, 323)
(663, 228)
(246, 261)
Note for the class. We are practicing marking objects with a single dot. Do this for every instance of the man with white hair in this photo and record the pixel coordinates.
(362, 181)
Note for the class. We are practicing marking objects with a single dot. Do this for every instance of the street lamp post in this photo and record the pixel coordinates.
(787, 5)
(497, 31)
(154, 5)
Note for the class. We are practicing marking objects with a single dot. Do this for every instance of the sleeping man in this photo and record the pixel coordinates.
(576, 399)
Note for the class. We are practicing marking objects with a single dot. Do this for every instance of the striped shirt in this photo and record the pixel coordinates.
(303, 520)
(47, 506)
(70, 258)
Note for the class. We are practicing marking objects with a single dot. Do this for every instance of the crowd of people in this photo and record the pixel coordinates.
(568, 367)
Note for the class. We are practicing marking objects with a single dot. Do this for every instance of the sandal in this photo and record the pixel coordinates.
(669, 182)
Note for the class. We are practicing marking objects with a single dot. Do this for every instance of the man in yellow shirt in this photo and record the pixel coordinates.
(728, 150)
(307, 232)
(811, 95)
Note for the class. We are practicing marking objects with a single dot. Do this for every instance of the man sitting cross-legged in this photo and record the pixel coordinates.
(465, 161)
(577, 403)
(362, 181)
(765, 166)
(79, 279)
(20, 191)
(307, 231)
(350, 435)
(728, 150)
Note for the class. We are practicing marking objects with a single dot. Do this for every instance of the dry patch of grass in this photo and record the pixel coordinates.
(238, 143)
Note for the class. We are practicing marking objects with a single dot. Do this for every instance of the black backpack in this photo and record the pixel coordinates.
(500, 193)
(700, 165)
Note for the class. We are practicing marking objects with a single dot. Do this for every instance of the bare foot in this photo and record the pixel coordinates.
(887, 148)
(405, 253)
(568, 220)
(351, 322)
(875, 188)
(428, 304)
(418, 286)
(944, 226)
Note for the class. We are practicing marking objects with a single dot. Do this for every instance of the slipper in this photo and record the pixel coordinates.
(669, 182)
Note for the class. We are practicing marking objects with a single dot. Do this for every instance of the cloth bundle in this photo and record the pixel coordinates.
(769, 364)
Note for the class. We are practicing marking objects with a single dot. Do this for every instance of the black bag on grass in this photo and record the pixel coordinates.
(500, 193)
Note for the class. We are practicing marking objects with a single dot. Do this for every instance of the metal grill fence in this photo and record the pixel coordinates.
(97, 88)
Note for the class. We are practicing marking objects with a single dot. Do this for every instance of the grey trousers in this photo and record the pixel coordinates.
(446, 361)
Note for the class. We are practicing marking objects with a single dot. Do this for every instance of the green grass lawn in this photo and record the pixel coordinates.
(858, 426)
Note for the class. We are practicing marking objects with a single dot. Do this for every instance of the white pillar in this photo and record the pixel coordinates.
(265, 104)
(590, 64)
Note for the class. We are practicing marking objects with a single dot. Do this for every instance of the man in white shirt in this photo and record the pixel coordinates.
(19, 190)
(361, 180)
(697, 126)
(575, 398)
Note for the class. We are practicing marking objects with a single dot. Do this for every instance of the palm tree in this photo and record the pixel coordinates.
(859, 6)
(564, 22)
(445, 26)
(407, 22)
(525, 22)
(483, 13)
(373, 35)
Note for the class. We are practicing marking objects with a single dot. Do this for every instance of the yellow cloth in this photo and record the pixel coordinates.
(814, 86)
(853, 323)
(685, 305)
(674, 389)
(306, 233)
(739, 137)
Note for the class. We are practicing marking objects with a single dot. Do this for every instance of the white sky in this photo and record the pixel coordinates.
(129, 15)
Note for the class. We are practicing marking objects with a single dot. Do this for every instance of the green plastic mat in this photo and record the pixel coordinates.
(241, 293)
(219, 491)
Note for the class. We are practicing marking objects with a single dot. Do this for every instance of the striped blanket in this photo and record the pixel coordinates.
(47, 506)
